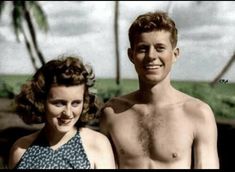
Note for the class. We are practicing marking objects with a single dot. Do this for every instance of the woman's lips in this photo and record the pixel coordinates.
(65, 120)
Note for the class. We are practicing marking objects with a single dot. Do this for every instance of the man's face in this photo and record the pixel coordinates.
(153, 56)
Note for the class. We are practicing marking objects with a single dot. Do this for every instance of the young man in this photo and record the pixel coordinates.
(158, 126)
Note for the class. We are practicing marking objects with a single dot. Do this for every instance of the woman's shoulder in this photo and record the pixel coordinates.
(93, 138)
(98, 148)
(91, 134)
(19, 148)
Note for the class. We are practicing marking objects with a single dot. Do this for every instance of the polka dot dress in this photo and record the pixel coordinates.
(39, 155)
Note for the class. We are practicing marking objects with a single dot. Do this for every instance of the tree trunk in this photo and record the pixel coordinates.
(223, 71)
(29, 48)
(32, 32)
(116, 33)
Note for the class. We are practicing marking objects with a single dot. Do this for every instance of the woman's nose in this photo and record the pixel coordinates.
(67, 112)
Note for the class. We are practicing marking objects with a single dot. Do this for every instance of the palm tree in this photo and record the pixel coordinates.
(26, 11)
(116, 33)
(223, 71)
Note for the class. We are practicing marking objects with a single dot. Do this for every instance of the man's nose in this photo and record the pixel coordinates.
(152, 53)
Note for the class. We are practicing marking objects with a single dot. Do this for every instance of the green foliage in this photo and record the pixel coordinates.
(6, 90)
(222, 105)
(39, 15)
(107, 88)
(110, 92)
(10, 85)
(220, 98)
(1, 7)
(18, 15)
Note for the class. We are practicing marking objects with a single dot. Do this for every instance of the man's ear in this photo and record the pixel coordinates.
(176, 54)
(130, 54)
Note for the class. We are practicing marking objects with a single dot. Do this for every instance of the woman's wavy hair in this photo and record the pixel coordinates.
(152, 21)
(65, 70)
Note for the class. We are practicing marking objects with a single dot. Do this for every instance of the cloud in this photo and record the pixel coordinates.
(73, 18)
(206, 32)
(195, 14)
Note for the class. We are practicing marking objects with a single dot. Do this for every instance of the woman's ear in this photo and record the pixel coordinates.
(130, 54)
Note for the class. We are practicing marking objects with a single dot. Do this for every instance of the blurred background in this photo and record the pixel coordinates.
(34, 32)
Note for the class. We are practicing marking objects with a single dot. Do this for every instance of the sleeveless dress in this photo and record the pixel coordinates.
(39, 155)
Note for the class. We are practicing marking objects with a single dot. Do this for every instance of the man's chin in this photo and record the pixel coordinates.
(153, 80)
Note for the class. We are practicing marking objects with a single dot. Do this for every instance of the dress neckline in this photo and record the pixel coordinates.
(45, 143)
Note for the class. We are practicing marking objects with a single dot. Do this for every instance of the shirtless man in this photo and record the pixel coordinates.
(158, 126)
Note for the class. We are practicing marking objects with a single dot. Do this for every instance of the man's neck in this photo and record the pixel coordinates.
(159, 93)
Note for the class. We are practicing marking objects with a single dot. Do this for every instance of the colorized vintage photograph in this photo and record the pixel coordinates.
(117, 84)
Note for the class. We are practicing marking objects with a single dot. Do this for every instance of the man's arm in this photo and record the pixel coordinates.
(205, 145)
(103, 121)
(104, 157)
(105, 114)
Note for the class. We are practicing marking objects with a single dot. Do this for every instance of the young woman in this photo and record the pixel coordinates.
(58, 95)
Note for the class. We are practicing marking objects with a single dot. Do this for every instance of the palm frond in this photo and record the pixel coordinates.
(2, 5)
(39, 15)
(17, 19)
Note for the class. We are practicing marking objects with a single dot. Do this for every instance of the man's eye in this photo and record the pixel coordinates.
(160, 49)
(141, 49)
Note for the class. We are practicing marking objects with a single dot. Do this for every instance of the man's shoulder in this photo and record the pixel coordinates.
(195, 105)
(201, 116)
(198, 110)
(192, 103)
(119, 104)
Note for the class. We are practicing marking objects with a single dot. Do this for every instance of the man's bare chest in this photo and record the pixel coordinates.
(159, 136)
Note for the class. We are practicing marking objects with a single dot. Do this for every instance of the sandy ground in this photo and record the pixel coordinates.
(8, 117)
(11, 128)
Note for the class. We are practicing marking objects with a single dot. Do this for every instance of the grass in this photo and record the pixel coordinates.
(221, 98)
(10, 84)
(222, 89)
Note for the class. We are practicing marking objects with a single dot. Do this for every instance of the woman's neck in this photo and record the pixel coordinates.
(57, 139)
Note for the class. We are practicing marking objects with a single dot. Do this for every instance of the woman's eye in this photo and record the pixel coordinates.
(58, 104)
(75, 104)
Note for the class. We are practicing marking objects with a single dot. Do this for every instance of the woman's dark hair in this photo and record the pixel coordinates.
(66, 70)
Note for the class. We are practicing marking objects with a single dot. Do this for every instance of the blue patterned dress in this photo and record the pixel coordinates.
(39, 155)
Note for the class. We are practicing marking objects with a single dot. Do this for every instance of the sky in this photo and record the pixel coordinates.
(85, 28)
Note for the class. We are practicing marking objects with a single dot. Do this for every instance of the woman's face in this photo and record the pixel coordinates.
(64, 106)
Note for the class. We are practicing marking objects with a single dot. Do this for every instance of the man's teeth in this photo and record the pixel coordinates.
(153, 66)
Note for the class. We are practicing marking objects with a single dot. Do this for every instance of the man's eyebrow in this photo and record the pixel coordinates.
(142, 44)
(159, 44)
